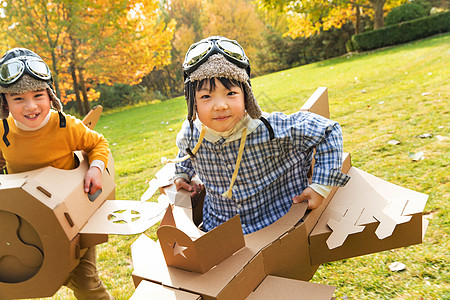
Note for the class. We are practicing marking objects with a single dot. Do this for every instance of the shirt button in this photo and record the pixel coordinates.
(229, 166)
(239, 206)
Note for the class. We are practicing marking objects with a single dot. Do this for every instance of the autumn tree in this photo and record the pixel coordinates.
(187, 15)
(243, 24)
(91, 41)
(307, 17)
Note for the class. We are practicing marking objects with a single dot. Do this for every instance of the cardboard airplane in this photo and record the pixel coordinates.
(47, 222)
(366, 216)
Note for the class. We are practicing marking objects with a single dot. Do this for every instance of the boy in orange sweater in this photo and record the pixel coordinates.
(33, 135)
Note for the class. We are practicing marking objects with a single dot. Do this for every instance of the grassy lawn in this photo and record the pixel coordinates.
(396, 93)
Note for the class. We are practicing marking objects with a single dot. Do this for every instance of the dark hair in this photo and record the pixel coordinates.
(227, 83)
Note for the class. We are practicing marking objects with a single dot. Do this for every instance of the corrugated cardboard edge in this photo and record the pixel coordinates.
(274, 287)
(149, 290)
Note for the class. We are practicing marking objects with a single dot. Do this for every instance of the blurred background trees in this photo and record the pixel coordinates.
(121, 52)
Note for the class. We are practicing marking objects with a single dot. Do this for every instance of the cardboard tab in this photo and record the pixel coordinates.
(92, 117)
(318, 103)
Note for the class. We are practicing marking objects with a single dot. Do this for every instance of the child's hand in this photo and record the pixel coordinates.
(93, 180)
(314, 199)
(181, 183)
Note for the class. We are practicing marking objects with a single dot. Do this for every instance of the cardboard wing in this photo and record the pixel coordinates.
(366, 216)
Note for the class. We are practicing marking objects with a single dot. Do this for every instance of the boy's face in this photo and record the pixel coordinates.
(29, 108)
(220, 109)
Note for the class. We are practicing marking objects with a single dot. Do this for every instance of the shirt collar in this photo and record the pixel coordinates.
(26, 128)
(231, 135)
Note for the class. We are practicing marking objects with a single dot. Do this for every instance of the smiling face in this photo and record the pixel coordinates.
(29, 108)
(218, 107)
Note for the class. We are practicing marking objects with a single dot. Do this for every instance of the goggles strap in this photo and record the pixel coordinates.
(6, 131)
(269, 127)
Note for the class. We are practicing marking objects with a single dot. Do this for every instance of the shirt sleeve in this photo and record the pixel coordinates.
(93, 143)
(184, 169)
(323, 190)
(314, 132)
(99, 164)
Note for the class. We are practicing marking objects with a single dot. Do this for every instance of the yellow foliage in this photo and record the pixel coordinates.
(300, 25)
(105, 41)
(235, 19)
(338, 17)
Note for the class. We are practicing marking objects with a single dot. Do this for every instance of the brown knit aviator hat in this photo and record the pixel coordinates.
(21, 71)
(218, 57)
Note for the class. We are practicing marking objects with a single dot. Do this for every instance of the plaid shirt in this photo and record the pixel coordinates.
(271, 171)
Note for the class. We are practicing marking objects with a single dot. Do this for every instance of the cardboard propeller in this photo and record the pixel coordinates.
(366, 216)
(47, 222)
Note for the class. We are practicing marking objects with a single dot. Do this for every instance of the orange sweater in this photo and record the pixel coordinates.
(51, 145)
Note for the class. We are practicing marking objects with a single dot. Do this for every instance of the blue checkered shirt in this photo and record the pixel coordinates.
(271, 171)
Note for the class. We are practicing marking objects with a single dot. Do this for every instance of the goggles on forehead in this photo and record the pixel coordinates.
(13, 69)
(199, 52)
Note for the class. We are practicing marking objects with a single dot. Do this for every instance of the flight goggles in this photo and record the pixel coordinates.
(13, 69)
(199, 52)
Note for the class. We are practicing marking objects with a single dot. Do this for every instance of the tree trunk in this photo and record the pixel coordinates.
(55, 75)
(378, 18)
(83, 91)
(76, 91)
(358, 19)
(73, 70)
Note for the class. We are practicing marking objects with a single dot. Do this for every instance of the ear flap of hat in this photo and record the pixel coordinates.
(56, 103)
(4, 111)
(251, 105)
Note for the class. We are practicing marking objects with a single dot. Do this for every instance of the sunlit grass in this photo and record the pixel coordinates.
(391, 94)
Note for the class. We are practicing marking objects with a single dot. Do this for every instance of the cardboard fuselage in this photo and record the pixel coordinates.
(365, 216)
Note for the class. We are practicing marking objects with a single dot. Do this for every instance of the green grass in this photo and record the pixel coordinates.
(394, 93)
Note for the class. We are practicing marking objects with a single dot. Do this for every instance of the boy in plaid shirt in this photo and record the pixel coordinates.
(251, 163)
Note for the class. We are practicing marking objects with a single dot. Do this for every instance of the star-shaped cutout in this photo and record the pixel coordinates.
(125, 216)
(177, 249)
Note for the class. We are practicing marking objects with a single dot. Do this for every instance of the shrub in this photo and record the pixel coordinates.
(405, 12)
(118, 95)
(403, 32)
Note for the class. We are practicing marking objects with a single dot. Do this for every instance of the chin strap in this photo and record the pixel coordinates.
(5, 133)
(229, 192)
(190, 154)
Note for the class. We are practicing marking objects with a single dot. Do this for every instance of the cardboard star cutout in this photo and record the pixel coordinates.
(177, 249)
